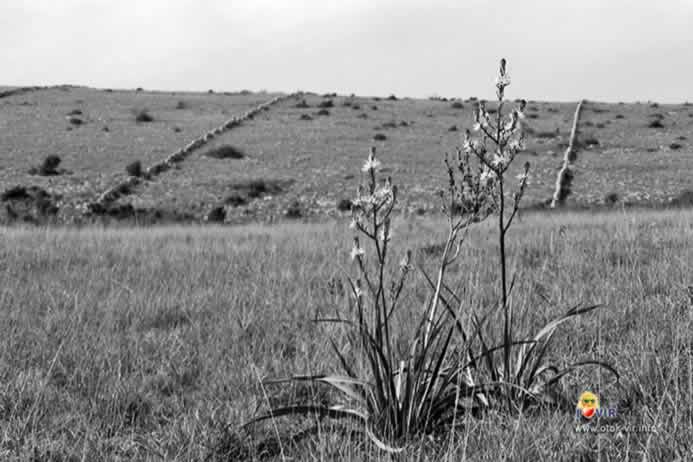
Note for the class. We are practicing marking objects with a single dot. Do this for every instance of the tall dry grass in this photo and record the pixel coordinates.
(143, 344)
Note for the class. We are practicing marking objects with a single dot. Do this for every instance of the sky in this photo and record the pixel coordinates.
(558, 50)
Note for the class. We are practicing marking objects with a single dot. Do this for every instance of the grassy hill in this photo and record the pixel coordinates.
(308, 165)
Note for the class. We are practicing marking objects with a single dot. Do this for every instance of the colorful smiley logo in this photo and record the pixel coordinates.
(588, 404)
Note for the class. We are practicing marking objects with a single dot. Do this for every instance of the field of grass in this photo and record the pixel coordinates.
(150, 344)
(309, 165)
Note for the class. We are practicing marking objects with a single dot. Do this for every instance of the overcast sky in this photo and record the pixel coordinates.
(610, 50)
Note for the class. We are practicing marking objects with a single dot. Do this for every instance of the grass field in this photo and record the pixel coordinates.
(309, 165)
(149, 344)
(154, 343)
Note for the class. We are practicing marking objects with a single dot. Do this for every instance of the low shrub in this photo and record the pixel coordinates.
(611, 198)
(457, 105)
(216, 215)
(48, 167)
(305, 117)
(323, 112)
(134, 169)
(235, 200)
(225, 151)
(344, 205)
(143, 116)
(294, 210)
(379, 137)
(326, 104)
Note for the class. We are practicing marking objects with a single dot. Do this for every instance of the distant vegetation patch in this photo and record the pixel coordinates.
(49, 167)
(684, 199)
(134, 169)
(253, 189)
(379, 137)
(225, 151)
(29, 204)
(344, 205)
(143, 116)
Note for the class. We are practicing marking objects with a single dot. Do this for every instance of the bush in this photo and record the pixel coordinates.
(134, 169)
(181, 105)
(75, 112)
(684, 199)
(323, 112)
(611, 198)
(294, 210)
(657, 123)
(363, 115)
(546, 134)
(392, 98)
(306, 117)
(379, 137)
(326, 104)
(76, 121)
(374, 107)
(620, 116)
(225, 152)
(253, 189)
(216, 215)
(49, 166)
(302, 104)
(675, 146)
(356, 107)
(177, 129)
(235, 200)
(589, 141)
(143, 116)
(344, 205)
(457, 105)
(453, 128)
